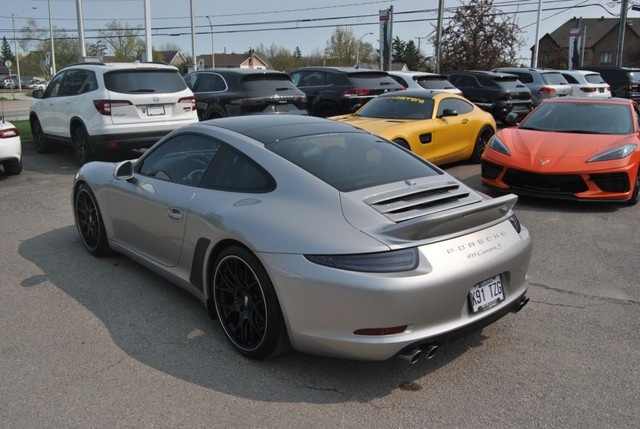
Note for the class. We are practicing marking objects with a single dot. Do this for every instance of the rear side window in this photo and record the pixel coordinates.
(593, 78)
(267, 85)
(509, 82)
(524, 77)
(460, 106)
(144, 81)
(233, 171)
(210, 82)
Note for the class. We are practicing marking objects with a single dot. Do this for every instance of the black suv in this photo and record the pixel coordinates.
(497, 93)
(335, 91)
(233, 92)
(624, 81)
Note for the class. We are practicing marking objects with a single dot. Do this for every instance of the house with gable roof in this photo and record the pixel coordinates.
(600, 39)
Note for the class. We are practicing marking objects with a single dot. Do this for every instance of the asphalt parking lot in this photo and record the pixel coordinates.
(87, 342)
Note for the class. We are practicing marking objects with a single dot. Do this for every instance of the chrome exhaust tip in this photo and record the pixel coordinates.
(411, 355)
(430, 350)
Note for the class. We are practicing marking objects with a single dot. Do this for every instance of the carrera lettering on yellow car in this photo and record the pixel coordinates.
(412, 99)
(474, 246)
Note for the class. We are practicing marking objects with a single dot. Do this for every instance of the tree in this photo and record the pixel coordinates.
(397, 50)
(36, 41)
(479, 37)
(124, 41)
(297, 53)
(341, 47)
(6, 53)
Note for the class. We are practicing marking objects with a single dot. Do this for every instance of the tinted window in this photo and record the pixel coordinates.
(398, 107)
(509, 82)
(571, 79)
(634, 76)
(210, 82)
(464, 81)
(234, 172)
(267, 85)
(78, 81)
(54, 87)
(182, 159)
(460, 106)
(400, 80)
(587, 118)
(315, 78)
(487, 81)
(523, 77)
(553, 79)
(351, 161)
(144, 81)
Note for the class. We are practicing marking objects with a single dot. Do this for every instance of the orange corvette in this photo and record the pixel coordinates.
(570, 148)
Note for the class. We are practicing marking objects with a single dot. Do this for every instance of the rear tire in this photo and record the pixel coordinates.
(326, 109)
(82, 146)
(482, 141)
(247, 306)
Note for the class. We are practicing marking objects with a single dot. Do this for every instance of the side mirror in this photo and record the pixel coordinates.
(37, 93)
(355, 108)
(124, 170)
(448, 112)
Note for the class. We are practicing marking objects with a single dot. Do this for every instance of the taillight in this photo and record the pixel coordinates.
(547, 90)
(353, 92)
(588, 89)
(8, 133)
(188, 100)
(104, 106)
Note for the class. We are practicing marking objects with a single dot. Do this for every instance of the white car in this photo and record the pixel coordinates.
(587, 84)
(423, 80)
(10, 148)
(99, 108)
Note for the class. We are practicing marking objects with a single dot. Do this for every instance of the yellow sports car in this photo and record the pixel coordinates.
(440, 127)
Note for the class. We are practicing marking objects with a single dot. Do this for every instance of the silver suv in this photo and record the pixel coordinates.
(543, 83)
(99, 108)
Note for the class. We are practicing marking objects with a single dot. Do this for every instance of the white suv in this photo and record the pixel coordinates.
(100, 108)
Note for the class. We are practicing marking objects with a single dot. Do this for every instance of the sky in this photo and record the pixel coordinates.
(306, 24)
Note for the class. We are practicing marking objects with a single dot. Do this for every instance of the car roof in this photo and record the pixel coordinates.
(340, 69)
(269, 128)
(413, 73)
(418, 93)
(136, 65)
(570, 99)
(491, 74)
(239, 71)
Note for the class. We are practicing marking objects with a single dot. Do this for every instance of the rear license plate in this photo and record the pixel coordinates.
(155, 110)
(486, 294)
(282, 108)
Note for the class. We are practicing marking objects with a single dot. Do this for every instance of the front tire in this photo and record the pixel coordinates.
(247, 306)
(89, 222)
(635, 195)
(482, 141)
(39, 141)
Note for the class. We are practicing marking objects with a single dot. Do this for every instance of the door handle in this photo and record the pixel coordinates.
(175, 214)
(465, 121)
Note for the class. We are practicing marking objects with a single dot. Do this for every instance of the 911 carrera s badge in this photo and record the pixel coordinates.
(544, 161)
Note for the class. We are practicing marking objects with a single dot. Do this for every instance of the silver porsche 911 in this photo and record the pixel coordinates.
(304, 233)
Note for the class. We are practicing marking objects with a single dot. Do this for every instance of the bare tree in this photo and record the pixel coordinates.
(479, 37)
(341, 47)
(124, 41)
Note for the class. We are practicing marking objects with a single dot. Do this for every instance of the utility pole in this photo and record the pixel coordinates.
(439, 35)
(623, 23)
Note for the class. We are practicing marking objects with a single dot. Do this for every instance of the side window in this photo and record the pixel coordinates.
(466, 82)
(460, 106)
(190, 80)
(487, 81)
(233, 171)
(183, 159)
(524, 77)
(53, 89)
(636, 107)
(570, 78)
(210, 82)
(312, 79)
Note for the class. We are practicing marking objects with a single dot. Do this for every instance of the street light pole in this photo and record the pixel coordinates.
(53, 52)
(213, 61)
(358, 47)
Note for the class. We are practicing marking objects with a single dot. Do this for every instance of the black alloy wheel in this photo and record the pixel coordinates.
(484, 136)
(635, 194)
(82, 146)
(89, 222)
(39, 141)
(247, 306)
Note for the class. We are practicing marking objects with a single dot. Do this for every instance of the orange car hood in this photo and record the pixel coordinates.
(536, 148)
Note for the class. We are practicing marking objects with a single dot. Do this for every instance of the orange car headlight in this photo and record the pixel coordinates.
(617, 153)
(499, 146)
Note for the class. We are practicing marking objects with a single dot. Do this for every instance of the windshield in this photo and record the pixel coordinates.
(398, 107)
(634, 76)
(352, 161)
(584, 118)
